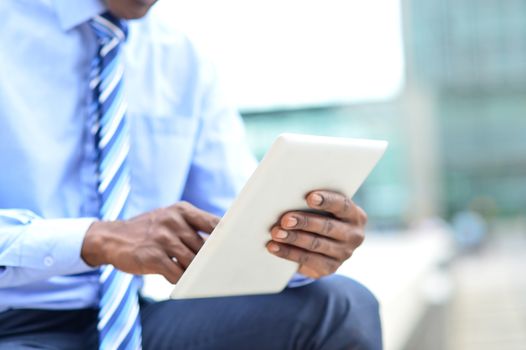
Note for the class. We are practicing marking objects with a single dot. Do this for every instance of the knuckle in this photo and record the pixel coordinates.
(151, 218)
(363, 218)
(283, 251)
(360, 237)
(346, 253)
(184, 254)
(354, 235)
(160, 216)
(346, 206)
(292, 236)
(334, 199)
(166, 211)
(179, 252)
(160, 235)
(183, 206)
(315, 243)
(167, 217)
(303, 221)
(304, 258)
(328, 227)
(177, 221)
(188, 235)
(167, 237)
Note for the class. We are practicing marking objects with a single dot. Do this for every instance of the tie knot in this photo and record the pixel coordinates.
(107, 27)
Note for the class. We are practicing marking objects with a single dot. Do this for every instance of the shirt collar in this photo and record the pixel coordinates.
(72, 13)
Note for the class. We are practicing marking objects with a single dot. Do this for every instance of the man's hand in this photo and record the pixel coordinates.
(319, 243)
(163, 241)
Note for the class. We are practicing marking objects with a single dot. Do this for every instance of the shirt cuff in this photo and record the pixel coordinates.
(55, 245)
(299, 280)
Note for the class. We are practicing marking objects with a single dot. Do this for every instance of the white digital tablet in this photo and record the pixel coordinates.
(234, 259)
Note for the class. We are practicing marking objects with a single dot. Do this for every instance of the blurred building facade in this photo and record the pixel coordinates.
(458, 131)
(470, 58)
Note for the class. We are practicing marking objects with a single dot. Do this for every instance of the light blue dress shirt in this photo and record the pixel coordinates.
(187, 143)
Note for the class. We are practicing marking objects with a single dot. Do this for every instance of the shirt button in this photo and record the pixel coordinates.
(48, 261)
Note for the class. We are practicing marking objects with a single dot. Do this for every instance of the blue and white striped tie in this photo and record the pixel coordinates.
(119, 322)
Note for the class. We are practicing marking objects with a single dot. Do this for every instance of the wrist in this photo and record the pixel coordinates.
(92, 251)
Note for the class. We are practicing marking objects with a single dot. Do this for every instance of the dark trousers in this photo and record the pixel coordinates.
(331, 314)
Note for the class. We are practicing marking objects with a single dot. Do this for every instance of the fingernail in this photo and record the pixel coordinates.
(291, 221)
(316, 199)
(273, 248)
(282, 234)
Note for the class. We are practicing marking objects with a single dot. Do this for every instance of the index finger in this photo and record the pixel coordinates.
(170, 269)
(337, 204)
(197, 218)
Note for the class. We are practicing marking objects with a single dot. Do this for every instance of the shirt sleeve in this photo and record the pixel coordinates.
(33, 248)
(222, 161)
(299, 280)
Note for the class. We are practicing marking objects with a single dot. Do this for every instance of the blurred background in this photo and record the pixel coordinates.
(445, 83)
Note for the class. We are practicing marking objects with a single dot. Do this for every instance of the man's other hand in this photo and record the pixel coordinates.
(319, 243)
(163, 241)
